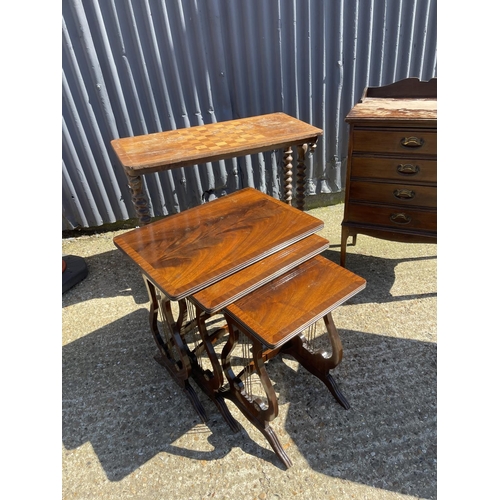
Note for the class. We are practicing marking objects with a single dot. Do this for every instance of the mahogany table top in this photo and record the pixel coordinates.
(213, 298)
(286, 306)
(188, 251)
(216, 141)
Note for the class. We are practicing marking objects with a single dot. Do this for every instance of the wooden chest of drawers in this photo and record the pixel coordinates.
(391, 184)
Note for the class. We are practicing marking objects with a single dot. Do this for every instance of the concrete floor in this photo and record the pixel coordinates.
(129, 432)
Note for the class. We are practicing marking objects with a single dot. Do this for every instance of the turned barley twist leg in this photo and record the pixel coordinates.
(313, 146)
(139, 199)
(288, 175)
(301, 175)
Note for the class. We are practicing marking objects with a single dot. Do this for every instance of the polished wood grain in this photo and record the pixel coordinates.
(273, 319)
(235, 286)
(185, 252)
(216, 141)
(389, 193)
(286, 306)
(145, 154)
(417, 171)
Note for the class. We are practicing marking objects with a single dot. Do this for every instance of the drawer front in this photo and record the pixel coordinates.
(390, 193)
(392, 217)
(394, 169)
(403, 141)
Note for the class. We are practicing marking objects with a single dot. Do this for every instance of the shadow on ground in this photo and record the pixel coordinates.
(380, 276)
(112, 275)
(387, 439)
(118, 399)
(115, 396)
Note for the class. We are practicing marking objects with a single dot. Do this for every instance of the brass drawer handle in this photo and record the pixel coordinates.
(404, 194)
(408, 169)
(400, 218)
(412, 142)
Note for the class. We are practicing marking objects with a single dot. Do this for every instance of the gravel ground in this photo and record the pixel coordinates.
(128, 431)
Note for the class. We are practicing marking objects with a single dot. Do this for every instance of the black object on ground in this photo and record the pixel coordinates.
(74, 270)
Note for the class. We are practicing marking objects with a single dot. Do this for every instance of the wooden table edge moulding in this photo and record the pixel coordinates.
(156, 152)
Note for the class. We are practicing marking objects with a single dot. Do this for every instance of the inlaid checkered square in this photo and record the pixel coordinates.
(218, 136)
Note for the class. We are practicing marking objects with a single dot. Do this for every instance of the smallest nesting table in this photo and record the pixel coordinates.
(278, 317)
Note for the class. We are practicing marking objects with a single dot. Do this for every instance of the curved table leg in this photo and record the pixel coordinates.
(172, 355)
(346, 232)
(253, 408)
(210, 381)
(316, 362)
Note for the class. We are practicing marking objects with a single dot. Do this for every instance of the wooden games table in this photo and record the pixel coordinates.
(185, 147)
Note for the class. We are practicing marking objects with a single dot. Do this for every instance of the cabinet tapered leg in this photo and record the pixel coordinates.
(343, 245)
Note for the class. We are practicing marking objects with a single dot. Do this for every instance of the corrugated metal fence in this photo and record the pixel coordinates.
(134, 67)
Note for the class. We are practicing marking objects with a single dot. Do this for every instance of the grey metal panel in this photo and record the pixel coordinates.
(134, 67)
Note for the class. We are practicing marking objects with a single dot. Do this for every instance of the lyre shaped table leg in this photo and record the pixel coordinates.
(316, 362)
(210, 381)
(172, 353)
(253, 408)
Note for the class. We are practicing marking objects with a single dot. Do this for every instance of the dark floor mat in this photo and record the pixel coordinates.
(74, 271)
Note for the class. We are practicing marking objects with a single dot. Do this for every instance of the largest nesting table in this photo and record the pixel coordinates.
(254, 259)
